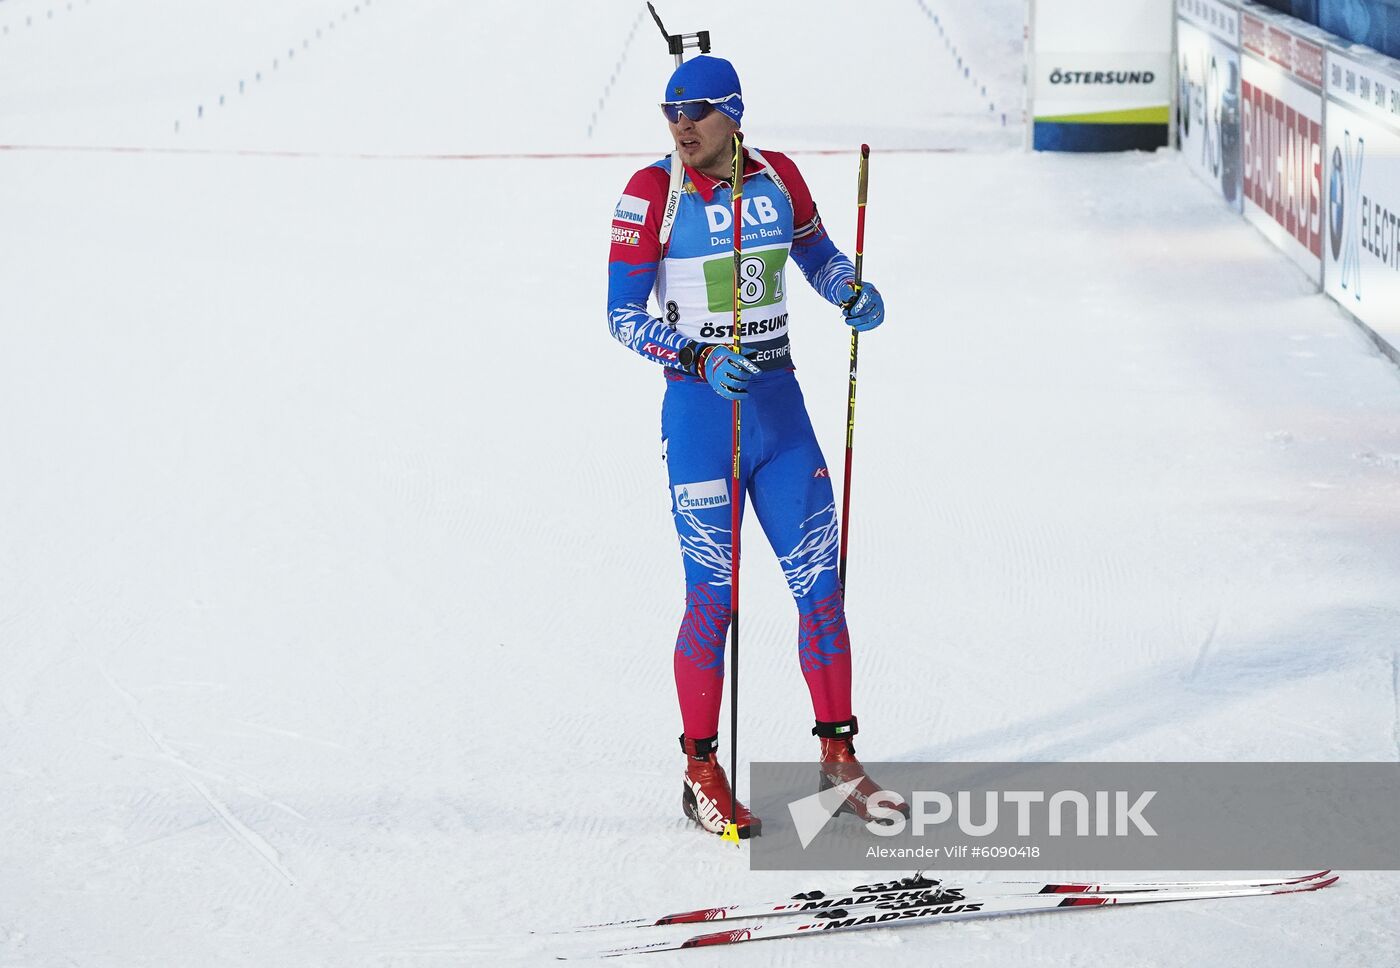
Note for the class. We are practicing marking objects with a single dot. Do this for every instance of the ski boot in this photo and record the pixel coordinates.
(706, 797)
(839, 765)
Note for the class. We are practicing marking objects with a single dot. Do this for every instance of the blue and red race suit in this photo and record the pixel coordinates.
(693, 277)
(781, 469)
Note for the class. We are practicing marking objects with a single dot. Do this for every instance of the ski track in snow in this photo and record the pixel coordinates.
(336, 460)
(249, 837)
(1204, 653)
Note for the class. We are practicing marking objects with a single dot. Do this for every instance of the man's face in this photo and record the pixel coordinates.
(705, 145)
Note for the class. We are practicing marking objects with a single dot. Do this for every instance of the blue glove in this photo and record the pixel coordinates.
(866, 309)
(726, 371)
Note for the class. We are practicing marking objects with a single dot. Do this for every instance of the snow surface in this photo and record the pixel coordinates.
(337, 582)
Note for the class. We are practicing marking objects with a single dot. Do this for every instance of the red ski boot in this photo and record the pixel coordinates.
(839, 765)
(706, 797)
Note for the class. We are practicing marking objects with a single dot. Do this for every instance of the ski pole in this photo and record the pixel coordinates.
(862, 181)
(731, 830)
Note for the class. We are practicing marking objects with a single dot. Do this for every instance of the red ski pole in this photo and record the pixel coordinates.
(862, 181)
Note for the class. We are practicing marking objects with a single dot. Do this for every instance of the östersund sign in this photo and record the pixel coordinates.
(1100, 74)
(1363, 188)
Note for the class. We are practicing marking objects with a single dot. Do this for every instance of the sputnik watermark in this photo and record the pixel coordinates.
(1095, 816)
(810, 815)
(1111, 813)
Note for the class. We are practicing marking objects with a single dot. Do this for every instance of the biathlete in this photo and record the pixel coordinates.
(672, 234)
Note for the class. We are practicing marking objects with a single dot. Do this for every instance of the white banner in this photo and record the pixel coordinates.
(1281, 98)
(1208, 106)
(1363, 187)
(1100, 76)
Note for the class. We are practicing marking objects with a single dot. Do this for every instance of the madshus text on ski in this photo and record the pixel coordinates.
(921, 900)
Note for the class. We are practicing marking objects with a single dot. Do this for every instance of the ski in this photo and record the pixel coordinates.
(919, 887)
(967, 908)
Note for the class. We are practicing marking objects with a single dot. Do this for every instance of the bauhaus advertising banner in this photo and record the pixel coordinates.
(1100, 74)
(1208, 96)
(1281, 101)
(1362, 254)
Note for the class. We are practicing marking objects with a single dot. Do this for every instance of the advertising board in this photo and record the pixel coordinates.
(1362, 254)
(1281, 103)
(1100, 74)
(1208, 109)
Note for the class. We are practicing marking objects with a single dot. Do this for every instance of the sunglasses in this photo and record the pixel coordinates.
(694, 110)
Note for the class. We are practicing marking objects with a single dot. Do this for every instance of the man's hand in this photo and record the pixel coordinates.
(865, 309)
(726, 371)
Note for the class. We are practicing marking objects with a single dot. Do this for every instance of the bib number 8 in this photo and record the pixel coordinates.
(751, 284)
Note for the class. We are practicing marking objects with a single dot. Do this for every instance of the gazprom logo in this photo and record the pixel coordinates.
(632, 209)
(704, 494)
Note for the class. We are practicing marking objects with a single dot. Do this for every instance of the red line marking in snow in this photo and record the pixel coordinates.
(370, 156)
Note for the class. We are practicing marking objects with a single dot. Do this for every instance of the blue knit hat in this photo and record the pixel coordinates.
(707, 78)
